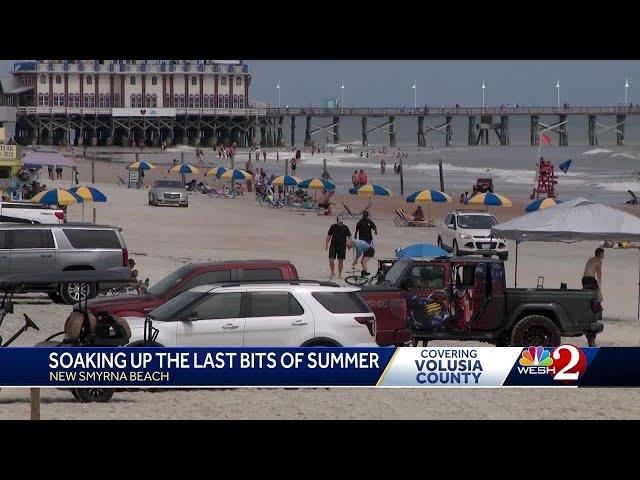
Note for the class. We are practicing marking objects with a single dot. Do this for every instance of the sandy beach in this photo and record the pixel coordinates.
(161, 239)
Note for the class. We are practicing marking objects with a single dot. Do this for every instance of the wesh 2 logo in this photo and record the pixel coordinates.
(563, 363)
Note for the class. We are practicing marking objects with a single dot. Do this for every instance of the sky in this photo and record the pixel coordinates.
(440, 82)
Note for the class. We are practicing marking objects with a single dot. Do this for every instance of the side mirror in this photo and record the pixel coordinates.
(192, 317)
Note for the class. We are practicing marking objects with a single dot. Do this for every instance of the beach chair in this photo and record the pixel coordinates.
(348, 213)
(400, 220)
(415, 223)
(633, 200)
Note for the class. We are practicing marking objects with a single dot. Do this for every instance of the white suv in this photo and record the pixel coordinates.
(465, 232)
(286, 314)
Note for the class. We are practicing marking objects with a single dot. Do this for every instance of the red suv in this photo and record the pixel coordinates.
(189, 276)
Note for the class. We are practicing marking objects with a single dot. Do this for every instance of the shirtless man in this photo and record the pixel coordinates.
(592, 280)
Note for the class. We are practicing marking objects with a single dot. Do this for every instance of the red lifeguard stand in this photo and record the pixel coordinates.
(546, 180)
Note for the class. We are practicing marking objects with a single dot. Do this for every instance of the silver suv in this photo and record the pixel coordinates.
(168, 192)
(66, 247)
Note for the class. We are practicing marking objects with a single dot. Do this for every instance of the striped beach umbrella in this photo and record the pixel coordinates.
(184, 168)
(141, 166)
(286, 180)
(88, 194)
(215, 172)
(541, 203)
(427, 196)
(317, 184)
(57, 196)
(424, 196)
(370, 190)
(490, 200)
(236, 175)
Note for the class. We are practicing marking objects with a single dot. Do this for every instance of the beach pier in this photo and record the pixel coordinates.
(421, 140)
(592, 130)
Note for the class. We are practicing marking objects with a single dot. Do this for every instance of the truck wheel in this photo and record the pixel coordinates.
(454, 249)
(73, 292)
(87, 395)
(150, 202)
(535, 330)
(55, 297)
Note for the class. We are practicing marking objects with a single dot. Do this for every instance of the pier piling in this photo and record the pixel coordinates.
(534, 122)
(392, 132)
(421, 139)
(448, 136)
(472, 131)
(620, 121)
(365, 141)
(307, 133)
(593, 130)
(293, 131)
(563, 137)
(336, 129)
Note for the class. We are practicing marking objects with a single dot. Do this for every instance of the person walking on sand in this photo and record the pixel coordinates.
(294, 165)
(264, 155)
(592, 280)
(354, 178)
(365, 227)
(383, 166)
(336, 244)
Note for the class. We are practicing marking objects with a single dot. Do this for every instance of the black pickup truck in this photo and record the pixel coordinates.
(465, 298)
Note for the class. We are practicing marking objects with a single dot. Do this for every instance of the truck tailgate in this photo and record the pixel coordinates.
(390, 307)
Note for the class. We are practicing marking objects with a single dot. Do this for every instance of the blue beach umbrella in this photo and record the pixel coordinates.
(564, 166)
(541, 203)
(57, 196)
(286, 180)
(421, 250)
(88, 194)
(370, 190)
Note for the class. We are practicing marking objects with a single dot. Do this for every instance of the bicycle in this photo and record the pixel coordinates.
(357, 280)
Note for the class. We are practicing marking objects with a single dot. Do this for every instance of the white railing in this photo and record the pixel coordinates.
(222, 69)
(232, 112)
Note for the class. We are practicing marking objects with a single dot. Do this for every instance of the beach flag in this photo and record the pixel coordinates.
(545, 139)
(564, 166)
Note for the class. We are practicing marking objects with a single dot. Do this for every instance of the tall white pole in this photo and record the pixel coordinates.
(278, 87)
(626, 87)
(415, 95)
(558, 88)
(483, 87)
(341, 94)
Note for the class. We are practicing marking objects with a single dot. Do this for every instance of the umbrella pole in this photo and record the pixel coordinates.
(430, 223)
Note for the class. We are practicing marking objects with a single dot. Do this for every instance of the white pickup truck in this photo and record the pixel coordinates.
(27, 212)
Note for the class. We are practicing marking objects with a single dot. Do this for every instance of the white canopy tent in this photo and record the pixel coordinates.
(572, 221)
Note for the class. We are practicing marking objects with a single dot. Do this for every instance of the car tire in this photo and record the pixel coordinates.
(535, 330)
(150, 202)
(89, 395)
(69, 292)
(503, 256)
(454, 249)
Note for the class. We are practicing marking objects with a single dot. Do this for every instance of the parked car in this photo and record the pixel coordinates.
(168, 192)
(190, 276)
(66, 247)
(463, 298)
(27, 212)
(279, 314)
(464, 232)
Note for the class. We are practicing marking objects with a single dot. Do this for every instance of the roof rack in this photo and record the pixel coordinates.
(278, 282)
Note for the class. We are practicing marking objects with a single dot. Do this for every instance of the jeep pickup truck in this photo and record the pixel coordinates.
(464, 298)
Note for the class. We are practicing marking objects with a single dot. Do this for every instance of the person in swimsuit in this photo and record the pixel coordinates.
(592, 280)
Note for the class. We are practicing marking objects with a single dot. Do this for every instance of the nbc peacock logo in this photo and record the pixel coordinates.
(536, 361)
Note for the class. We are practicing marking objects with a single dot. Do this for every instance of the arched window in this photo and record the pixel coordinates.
(194, 81)
(58, 100)
(132, 80)
(223, 80)
(89, 80)
(154, 80)
(43, 79)
(238, 81)
(58, 79)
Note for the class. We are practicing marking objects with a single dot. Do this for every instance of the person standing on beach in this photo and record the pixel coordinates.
(336, 244)
(383, 166)
(58, 172)
(294, 165)
(264, 155)
(365, 227)
(362, 178)
(592, 280)
(277, 156)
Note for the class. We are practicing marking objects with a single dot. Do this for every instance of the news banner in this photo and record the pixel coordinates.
(565, 366)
